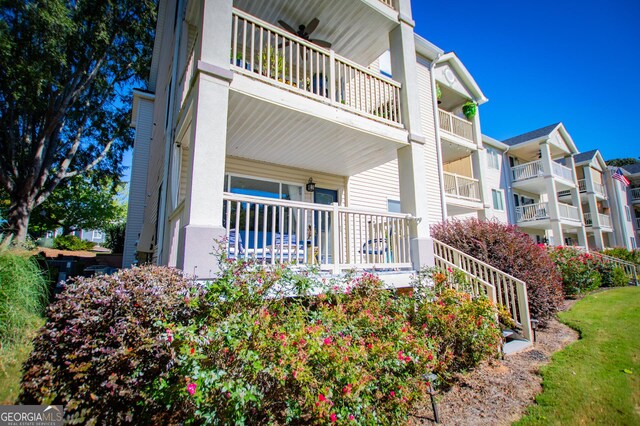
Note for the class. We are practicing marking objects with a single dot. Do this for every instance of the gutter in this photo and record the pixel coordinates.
(169, 137)
(434, 96)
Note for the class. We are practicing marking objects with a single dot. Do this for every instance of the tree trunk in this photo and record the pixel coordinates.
(18, 218)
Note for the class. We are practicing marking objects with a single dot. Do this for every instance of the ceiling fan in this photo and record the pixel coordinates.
(305, 30)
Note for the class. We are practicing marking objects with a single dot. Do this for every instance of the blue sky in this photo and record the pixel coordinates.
(540, 62)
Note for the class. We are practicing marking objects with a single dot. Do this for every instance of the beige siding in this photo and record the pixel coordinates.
(373, 188)
(462, 167)
(495, 179)
(250, 168)
(432, 184)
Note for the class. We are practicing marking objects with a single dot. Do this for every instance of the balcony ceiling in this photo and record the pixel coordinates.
(358, 30)
(531, 152)
(263, 131)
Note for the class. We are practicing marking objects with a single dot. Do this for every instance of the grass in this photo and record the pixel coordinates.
(23, 295)
(596, 380)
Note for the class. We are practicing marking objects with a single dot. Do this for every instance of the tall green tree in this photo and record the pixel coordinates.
(621, 162)
(81, 202)
(66, 69)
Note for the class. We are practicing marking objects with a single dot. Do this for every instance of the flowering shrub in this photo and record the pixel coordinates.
(582, 271)
(105, 342)
(353, 353)
(505, 247)
(624, 254)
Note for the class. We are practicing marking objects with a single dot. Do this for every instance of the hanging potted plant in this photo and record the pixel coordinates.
(469, 109)
(438, 93)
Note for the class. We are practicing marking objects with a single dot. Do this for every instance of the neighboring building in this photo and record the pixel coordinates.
(94, 235)
(625, 205)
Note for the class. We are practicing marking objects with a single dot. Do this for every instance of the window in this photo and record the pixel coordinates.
(633, 243)
(493, 157)
(628, 213)
(393, 206)
(263, 188)
(498, 199)
(97, 235)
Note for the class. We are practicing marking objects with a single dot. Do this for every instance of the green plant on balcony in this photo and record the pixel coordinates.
(274, 64)
(438, 92)
(470, 109)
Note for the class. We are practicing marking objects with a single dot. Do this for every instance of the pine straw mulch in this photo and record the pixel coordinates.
(499, 392)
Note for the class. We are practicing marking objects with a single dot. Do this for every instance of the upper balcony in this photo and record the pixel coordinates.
(598, 189)
(529, 176)
(603, 219)
(635, 195)
(292, 102)
(538, 215)
(456, 128)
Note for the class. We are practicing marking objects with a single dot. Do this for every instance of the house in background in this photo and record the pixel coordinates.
(93, 235)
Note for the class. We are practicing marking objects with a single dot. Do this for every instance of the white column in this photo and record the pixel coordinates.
(479, 164)
(411, 159)
(575, 200)
(203, 202)
(552, 195)
(593, 208)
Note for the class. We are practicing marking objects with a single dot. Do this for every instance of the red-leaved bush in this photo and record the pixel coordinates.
(507, 248)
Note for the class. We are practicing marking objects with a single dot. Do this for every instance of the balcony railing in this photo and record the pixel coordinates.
(532, 212)
(266, 52)
(588, 221)
(635, 194)
(535, 169)
(328, 236)
(605, 220)
(638, 223)
(598, 188)
(455, 125)
(388, 3)
(527, 171)
(568, 212)
(461, 186)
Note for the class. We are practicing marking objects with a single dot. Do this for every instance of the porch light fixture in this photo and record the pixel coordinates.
(311, 186)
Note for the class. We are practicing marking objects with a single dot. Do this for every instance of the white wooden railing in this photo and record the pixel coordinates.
(455, 125)
(268, 53)
(600, 189)
(527, 170)
(568, 212)
(635, 194)
(461, 186)
(388, 3)
(532, 212)
(500, 287)
(605, 220)
(631, 269)
(561, 171)
(329, 236)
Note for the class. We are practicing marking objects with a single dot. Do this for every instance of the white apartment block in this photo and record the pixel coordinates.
(337, 146)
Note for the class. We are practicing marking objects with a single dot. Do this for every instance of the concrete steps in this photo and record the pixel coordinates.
(514, 343)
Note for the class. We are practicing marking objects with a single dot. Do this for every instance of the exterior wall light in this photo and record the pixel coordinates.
(311, 186)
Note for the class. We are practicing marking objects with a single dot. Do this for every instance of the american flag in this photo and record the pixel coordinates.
(619, 176)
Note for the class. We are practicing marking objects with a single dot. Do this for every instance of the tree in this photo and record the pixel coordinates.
(621, 162)
(66, 69)
(81, 202)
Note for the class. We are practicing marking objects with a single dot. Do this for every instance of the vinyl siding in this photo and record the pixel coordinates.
(138, 182)
(496, 179)
(432, 184)
(372, 189)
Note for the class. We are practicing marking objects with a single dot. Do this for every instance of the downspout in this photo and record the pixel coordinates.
(436, 117)
(162, 212)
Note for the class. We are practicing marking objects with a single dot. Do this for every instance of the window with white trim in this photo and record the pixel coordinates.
(628, 213)
(97, 235)
(498, 199)
(493, 158)
(633, 243)
(393, 206)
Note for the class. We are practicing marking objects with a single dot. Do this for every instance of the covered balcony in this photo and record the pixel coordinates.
(330, 237)
(599, 190)
(456, 128)
(529, 176)
(292, 101)
(462, 187)
(635, 195)
(538, 215)
(604, 219)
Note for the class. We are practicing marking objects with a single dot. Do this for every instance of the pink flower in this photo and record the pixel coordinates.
(347, 389)
(191, 388)
(352, 417)
(450, 270)
(333, 417)
(322, 398)
(192, 351)
(327, 340)
(392, 393)
(169, 335)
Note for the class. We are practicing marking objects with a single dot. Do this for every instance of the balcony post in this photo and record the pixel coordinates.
(577, 202)
(557, 239)
(335, 230)
(202, 217)
(411, 158)
(332, 76)
(479, 165)
(593, 208)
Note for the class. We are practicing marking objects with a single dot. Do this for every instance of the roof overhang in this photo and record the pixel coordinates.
(159, 35)
(488, 140)
(139, 94)
(465, 76)
(427, 49)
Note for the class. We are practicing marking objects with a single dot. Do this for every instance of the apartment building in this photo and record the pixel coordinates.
(625, 205)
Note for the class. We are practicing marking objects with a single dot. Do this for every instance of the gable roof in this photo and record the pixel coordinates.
(585, 156)
(465, 76)
(534, 134)
(632, 168)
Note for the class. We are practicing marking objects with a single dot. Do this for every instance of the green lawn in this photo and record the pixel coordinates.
(596, 380)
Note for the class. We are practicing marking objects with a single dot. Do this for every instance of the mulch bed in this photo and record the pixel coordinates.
(499, 391)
